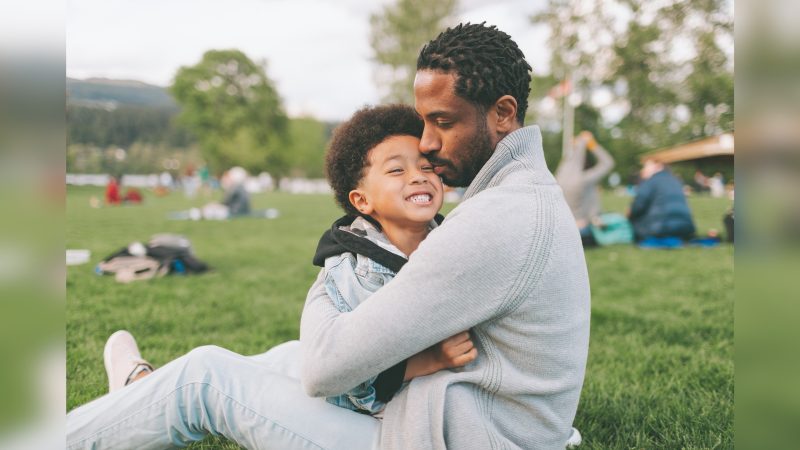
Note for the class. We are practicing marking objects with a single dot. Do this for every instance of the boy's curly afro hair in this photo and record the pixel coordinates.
(347, 159)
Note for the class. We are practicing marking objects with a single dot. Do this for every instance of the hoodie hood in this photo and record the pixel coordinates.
(342, 237)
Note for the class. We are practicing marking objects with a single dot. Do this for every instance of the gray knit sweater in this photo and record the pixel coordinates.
(506, 263)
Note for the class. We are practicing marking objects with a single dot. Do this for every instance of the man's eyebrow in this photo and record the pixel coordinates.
(437, 114)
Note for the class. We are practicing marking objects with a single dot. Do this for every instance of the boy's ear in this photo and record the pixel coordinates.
(360, 201)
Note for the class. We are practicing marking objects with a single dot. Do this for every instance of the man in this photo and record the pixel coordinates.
(507, 264)
(659, 209)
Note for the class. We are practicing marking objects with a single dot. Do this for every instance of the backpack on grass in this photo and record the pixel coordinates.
(163, 254)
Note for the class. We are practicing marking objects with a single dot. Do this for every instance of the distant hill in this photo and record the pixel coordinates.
(109, 94)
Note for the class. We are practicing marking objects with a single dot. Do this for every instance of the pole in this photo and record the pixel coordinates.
(569, 119)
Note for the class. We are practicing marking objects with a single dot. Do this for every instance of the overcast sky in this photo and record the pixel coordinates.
(317, 51)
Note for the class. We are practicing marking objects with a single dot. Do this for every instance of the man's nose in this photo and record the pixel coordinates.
(429, 142)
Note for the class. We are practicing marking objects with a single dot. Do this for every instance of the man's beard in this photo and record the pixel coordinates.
(471, 159)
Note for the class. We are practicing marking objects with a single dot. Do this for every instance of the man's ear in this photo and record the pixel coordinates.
(360, 201)
(506, 109)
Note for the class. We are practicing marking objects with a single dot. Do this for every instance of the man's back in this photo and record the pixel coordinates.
(523, 390)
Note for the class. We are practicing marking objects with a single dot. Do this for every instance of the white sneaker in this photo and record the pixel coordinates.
(575, 438)
(122, 360)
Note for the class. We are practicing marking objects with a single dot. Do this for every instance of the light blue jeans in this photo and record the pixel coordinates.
(256, 401)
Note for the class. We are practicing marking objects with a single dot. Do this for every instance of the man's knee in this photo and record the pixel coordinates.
(205, 359)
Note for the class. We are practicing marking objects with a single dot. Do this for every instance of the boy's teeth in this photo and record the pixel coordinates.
(422, 198)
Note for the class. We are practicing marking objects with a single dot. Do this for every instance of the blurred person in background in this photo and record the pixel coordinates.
(716, 185)
(659, 209)
(236, 197)
(112, 191)
(579, 179)
(701, 182)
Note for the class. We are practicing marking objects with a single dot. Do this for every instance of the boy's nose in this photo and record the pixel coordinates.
(418, 178)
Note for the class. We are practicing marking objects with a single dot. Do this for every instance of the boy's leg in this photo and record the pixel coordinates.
(213, 390)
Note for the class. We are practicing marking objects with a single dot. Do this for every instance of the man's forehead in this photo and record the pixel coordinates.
(428, 82)
(434, 93)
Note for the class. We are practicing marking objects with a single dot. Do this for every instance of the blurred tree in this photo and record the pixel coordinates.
(655, 71)
(582, 34)
(232, 107)
(139, 158)
(398, 33)
(125, 125)
(306, 149)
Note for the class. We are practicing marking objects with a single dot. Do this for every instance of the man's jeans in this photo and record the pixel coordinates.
(256, 401)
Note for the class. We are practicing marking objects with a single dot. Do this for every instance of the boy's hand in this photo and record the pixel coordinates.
(455, 351)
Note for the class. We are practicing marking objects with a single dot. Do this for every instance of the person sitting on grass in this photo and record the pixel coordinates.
(660, 210)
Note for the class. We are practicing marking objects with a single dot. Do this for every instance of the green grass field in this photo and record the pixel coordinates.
(660, 371)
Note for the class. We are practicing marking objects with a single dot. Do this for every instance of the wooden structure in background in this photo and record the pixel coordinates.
(720, 145)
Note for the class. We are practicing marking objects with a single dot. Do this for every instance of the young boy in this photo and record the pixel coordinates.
(391, 197)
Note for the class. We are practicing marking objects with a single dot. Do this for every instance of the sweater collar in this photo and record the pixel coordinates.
(523, 145)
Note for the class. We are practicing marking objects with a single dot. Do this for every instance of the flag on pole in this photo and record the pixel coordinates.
(562, 89)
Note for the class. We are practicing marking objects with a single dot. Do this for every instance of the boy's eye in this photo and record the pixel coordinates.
(427, 168)
(396, 170)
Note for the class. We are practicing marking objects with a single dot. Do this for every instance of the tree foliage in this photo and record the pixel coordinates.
(661, 64)
(125, 125)
(306, 149)
(232, 107)
(398, 33)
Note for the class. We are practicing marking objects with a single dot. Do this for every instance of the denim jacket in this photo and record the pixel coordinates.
(350, 278)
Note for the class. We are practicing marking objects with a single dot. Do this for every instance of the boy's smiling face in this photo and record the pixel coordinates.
(399, 187)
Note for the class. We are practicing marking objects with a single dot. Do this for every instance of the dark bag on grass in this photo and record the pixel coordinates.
(163, 254)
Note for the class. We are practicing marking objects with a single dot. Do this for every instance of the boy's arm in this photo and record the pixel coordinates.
(462, 275)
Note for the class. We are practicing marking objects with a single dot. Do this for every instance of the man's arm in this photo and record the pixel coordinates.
(463, 274)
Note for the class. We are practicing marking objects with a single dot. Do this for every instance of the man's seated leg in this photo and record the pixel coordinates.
(212, 390)
(283, 358)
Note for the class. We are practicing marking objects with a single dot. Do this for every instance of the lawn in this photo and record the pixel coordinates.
(660, 371)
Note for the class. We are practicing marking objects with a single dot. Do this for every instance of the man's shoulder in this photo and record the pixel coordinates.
(515, 197)
(508, 213)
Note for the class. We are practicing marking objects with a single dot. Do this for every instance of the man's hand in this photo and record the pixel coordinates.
(455, 351)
